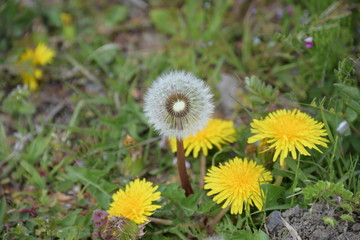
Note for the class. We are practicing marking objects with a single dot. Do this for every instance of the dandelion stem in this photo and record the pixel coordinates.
(160, 221)
(202, 170)
(279, 179)
(184, 178)
(216, 219)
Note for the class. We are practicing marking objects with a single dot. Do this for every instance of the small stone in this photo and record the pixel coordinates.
(356, 227)
(273, 221)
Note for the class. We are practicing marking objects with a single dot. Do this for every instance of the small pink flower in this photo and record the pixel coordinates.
(309, 43)
(289, 10)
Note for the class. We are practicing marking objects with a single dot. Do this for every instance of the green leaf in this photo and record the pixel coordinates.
(93, 179)
(26, 108)
(38, 146)
(2, 212)
(69, 220)
(132, 167)
(326, 191)
(176, 196)
(346, 69)
(17, 102)
(206, 206)
(351, 95)
(328, 220)
(68, 233)
(260, 92)
(346, 206)
(347, 218)
(4, 146)
(190, 204)
(248, 235)
(115, 15)
(195, 18)
(272, 193)
(351, 92)
(34, 175)
(351, 116)
(293, 165)
(53, 15)
(165, 20)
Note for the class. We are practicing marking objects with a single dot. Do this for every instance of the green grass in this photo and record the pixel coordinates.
(69, 162)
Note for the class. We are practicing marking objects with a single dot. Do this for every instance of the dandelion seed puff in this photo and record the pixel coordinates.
(178, 104)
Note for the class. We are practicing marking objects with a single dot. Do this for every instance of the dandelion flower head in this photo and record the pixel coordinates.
(217, 132)
(135, 202)
(29, 62)
(66, 18)
(289, 131)
(237, 182)
(178, 104)
(41, 55)
(31, 79)
(28, 55)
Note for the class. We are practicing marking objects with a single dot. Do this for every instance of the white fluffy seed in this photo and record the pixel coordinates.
(185, 117)
(179, 106)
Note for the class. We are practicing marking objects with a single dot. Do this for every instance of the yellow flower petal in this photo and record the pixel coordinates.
(38, 73)
(30, 80)
(238, 184)
(66, 18)
(40, 56)
(28, 55)
(216, 133)
(135, 202)
(289, 131)
(43, 55)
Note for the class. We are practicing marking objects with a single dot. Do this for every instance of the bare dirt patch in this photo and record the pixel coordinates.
(308, 224)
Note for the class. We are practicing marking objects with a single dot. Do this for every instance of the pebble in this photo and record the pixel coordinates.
(356, 227)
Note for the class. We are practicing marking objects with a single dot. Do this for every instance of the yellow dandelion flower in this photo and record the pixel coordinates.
(31, 79)
(66, 18)
(135, 203)
(217, 132)
(238, 184)
(29, 61)
(288, 131)
(28, 55)
(43, 55)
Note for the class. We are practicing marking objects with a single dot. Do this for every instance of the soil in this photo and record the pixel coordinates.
(307, 224)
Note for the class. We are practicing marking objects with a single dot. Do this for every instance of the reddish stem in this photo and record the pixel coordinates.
(184, 178)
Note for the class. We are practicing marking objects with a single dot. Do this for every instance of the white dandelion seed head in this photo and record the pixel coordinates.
(178, 104)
